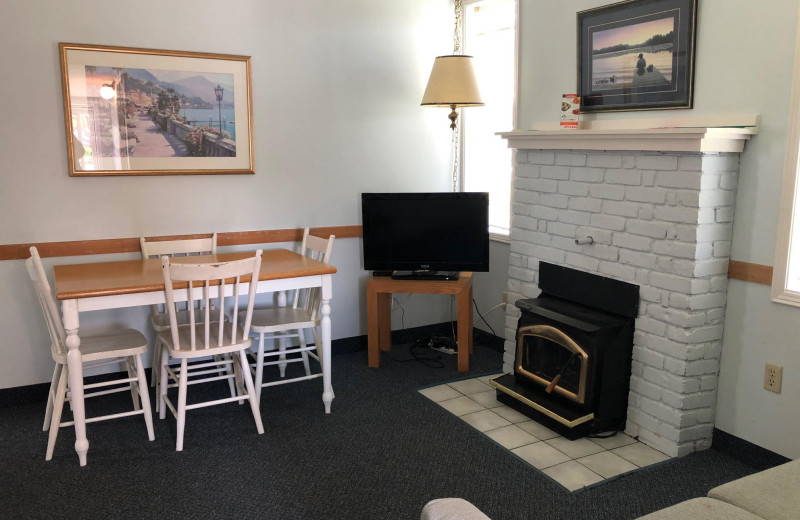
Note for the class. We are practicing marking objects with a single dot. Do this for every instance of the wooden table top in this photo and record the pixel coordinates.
(138, 276)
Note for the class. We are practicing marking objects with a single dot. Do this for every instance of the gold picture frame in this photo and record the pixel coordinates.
(130, 111)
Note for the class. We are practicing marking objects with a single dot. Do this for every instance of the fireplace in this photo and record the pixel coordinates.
(573, 356)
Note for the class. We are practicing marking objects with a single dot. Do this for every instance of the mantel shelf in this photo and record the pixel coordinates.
(665, 139)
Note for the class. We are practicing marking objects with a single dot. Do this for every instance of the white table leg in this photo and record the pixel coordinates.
(69, 310)
(325, 330)
(282, 340)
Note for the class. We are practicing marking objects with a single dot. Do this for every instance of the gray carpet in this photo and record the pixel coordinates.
(384, 451)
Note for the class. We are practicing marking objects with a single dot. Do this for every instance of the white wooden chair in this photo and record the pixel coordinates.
(158, 314)
(287, 323)
(126, 346)
(205, 336)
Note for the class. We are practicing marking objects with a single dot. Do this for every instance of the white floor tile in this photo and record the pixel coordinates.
(470, 386)
(575, 449)
(511, 437)
(606, 464)
(620, 439)
(541, 455)
(485, 420)
(440, 393)
(460, 405)
(640, 454)
(485, 379)
(487, 399)
(537, 430)
(511, 414)
(572, 475)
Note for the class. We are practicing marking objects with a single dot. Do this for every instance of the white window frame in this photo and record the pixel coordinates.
(789, 204)
(499, 237)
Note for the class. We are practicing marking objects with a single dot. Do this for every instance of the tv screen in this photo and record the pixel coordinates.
(425, 232)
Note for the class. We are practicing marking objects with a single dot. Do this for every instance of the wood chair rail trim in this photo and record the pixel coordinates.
(131, 245)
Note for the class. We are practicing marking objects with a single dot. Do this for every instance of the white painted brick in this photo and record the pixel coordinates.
(519, 209)
(527, 171)
(728, 181)
(530, 290)
(670, 381)
(526, 275)
(657, 162)
(628, 161)
(709, 382)
(661, 411)
(650, 294)
(722, 249)
(620, 176)
(530, 237)
(565, 244)
(651, 326)
(635, 242)
(700, 286)
(573, 188)
(580, 218)
(717, 198)
(586, 204)
(706, 215)
(571, 159)
(600, 236)
(724, 214)
(605, 160)
(666, 346)
(640, 194)
(517, 260)
(695, 335)
(624, 209)
(646, 212)
(678, 179)
(607, 222)
(523, 248)
(618, 271)
(554, 200)
(543, 226)
(714, 232)
(690, 163)
(540, 185)
(638, 258)
(586, 174)
(676, 214)
(672, 198)
(561, 229)
(535, 157)
(550, 254)
(687, 198)
(676, 249)
(602, 252)
(604, 191)
(524, 222)
(715, 314)
(582, 261)
(707, 301)
(645, 388)
(666, 265)
(648, 178)
(720, 163)
(709, 181)
(555, 172)
(711, 267)
(544, 213)
(526, 197)
(648, 229)
(643, 420)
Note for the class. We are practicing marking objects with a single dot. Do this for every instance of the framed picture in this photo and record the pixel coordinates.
(637, 55)
(155, 112)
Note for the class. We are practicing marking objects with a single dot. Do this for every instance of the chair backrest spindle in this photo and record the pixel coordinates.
(55, 327)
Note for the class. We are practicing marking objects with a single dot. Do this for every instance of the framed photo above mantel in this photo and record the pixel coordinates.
(155, 112)
(637, 55)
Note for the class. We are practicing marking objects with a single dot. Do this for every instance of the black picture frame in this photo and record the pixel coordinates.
(647, 58)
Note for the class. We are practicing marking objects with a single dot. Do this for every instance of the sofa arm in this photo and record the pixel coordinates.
(773, 494)
(701, 509)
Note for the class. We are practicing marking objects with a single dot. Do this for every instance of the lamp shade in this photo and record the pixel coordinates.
(452, 83)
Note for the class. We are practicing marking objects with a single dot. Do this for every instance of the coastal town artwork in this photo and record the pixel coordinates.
(637, 55)
(177, 116)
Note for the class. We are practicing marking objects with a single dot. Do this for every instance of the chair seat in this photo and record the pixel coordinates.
(184, 338)
(160, 320)
(124, 343)
(277, 319)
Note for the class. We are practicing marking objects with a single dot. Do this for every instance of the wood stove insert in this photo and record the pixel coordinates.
(573, 356)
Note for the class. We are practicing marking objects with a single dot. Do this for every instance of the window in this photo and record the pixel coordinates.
(490, 36)
(786, 273)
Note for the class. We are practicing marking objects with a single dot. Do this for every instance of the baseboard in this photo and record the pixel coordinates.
(21, 395)
(746, 452)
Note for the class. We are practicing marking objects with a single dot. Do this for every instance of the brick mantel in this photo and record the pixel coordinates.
(661, 219)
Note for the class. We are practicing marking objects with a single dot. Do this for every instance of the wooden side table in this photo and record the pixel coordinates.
(379, 312)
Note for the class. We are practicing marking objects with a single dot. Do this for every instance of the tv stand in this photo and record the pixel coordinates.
(379, 312)
(425, 275)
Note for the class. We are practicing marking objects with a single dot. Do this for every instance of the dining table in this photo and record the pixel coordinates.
(97, 286)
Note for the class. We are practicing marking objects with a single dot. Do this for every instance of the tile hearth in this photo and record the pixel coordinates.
(573, 464)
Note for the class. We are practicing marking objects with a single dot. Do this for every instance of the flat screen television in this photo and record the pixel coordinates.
(425, 235)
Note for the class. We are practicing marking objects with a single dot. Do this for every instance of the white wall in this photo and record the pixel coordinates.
(336, 92)
(743, 64)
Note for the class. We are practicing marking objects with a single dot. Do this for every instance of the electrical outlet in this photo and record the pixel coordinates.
(773, 374)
